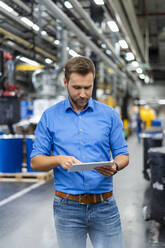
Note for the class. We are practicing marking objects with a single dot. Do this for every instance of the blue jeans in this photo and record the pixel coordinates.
(101, 221)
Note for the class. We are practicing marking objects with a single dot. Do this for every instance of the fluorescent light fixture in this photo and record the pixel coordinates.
(99, 2)
(73, 53)
(30, 23)
(57, 42)
(10, 43)
(129, 56)
(147, 79)
(28, 61)
(8, 8)
(123, 44)
(135, 64)
(139, 70)
(68, 5)
(103, 45)
(48, 61)
(27, 21)
(113, 26)
(43, 32)
(35, 27)
(161, 101)
(108, 52)
(142, 76)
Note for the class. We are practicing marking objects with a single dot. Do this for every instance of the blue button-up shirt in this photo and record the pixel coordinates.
(89, 136)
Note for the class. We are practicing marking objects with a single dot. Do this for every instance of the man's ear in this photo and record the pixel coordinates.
(65, 83)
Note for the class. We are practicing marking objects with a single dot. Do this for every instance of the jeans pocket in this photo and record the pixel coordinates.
(57, 201)
(110, 200)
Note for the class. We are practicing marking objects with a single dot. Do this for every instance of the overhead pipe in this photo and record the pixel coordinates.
(24, 51)
(22, 35)
(150, 14)
(57, 13)
(18, 21)
(93, 27)
(28, 10)
(14, 30)
(26, 43)
(22, 5)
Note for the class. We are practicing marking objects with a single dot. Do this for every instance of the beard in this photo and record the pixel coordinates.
(79, 103)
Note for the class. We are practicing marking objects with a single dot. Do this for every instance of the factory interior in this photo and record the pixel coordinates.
(126, 41)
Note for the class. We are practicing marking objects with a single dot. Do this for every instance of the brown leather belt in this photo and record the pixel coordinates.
(85, 198)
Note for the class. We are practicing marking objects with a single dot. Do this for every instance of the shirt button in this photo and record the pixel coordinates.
(80, 117)
(81, 143)
(80, 129)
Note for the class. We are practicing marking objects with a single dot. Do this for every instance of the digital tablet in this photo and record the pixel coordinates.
(89, 166)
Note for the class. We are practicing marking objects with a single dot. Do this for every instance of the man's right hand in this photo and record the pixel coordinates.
(67, 161)
(45, 163)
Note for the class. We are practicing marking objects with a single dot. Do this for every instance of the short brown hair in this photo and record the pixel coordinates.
(81, 65)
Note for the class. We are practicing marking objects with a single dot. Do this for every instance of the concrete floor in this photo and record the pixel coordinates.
(27, 221)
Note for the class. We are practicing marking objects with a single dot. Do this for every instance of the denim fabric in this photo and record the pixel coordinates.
(101, 221)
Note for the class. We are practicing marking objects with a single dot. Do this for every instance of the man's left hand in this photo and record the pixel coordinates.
(107, 170)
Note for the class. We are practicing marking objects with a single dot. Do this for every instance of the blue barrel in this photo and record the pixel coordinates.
(29, 145)
(11, 153)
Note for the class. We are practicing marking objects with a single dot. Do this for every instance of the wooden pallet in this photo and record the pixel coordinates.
(26, 176)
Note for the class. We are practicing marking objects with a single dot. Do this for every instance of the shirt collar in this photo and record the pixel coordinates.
(69, 106)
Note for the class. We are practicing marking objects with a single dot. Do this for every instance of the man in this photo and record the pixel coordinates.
(82, 129)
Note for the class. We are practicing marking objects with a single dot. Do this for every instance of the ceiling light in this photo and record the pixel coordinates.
(30, 23)
(73, 53)
(108, 52)
(35, 27)
(68, 5)
(139, 70)
(129, 56)
(48, 61)
(27, 21)
(135, 64)
(10, 43)
(123, 44)
(161, 101)
(142, 76)
(103, 45)
(43, 32)
(99, 2)
(28, 61)
(57, 42)
(147, 79)
(8, 8)
(113, 26)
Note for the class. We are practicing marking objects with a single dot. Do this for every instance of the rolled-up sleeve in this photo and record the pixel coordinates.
(43, 140)
(117, 141)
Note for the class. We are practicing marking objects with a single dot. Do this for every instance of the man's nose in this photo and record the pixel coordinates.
(82, 93)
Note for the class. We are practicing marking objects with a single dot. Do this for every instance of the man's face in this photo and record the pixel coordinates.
(79, 89)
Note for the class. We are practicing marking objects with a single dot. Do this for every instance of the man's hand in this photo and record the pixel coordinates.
(107, 170)
(67, 161)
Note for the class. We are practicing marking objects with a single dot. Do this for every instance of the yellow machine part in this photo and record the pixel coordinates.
(27, 67)
(147, 115)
